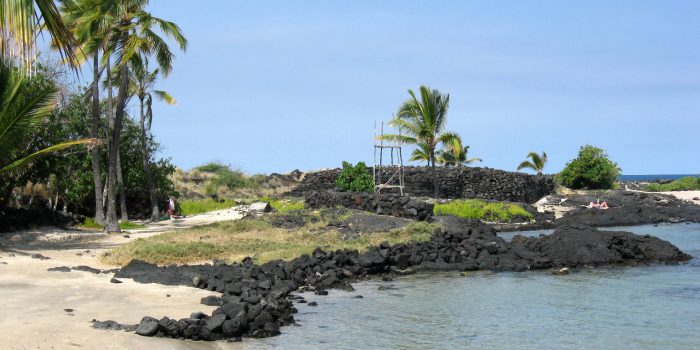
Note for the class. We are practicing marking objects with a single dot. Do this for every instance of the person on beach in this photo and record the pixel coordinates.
(172, 208)
(598, 205)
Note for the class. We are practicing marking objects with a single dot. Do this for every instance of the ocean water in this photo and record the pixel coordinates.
(652, 307)
(654, 177)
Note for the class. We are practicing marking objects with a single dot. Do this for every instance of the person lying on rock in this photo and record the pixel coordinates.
(598, 205)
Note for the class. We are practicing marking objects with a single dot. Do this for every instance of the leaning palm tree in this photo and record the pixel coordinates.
(20, 24)
(134, 35)
(455, 155)
(142, 82)
(24, 112)
(536, 162)
(422, 122)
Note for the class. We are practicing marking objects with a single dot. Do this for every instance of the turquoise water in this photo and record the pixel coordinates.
(656, 307)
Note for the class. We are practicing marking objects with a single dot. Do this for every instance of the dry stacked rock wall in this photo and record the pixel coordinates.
(384, 204)
(463, 182)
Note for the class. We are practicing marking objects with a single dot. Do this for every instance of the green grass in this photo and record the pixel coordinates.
(257, 238)
(477, 209)
(125, 225)
(193, 207)
(284, 205)
(689, 183)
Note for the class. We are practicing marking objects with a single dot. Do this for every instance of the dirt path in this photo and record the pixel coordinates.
(35, 300)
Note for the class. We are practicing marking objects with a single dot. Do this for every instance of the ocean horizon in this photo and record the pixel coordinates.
(653, 177)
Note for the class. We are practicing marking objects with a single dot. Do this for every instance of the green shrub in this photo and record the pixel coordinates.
(355, 178)
(689, 183)
(212, 167)
(481, 210)
(193, 207)
(590, 170)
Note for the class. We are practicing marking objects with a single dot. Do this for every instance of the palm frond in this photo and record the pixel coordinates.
(21, 21)
(398, 138)
(165, 97)
(15, 168)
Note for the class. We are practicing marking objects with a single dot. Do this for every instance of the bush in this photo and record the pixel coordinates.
(683, 184)
(590, 170)
(355, 178)
(212, 167)
(481, 210)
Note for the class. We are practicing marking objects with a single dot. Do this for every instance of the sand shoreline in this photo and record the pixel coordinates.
(35, 299)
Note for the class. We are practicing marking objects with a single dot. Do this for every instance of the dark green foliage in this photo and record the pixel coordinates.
(72, 170)
(355, 178)
(590, 170)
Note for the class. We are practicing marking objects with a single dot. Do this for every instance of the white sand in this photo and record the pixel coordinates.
(685, 195)
(33, 299)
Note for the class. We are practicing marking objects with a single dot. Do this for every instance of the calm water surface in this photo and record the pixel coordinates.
(655, 307)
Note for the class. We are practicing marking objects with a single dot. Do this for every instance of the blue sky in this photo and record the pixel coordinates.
(270, 86)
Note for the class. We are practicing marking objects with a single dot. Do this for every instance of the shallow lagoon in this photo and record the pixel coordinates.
(656, 307)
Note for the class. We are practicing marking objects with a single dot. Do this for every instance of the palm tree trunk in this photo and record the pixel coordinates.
(120, 179)
(112, 223)
(155, 212)
(95, 131)
(436, 186)
(122, 190)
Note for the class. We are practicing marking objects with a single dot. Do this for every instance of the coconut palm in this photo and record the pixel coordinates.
(421, 122)
(142, 83)
(23, 111)
(455, 155)
(91, 25)
(536, 163)
(134, 35)
(20, 24)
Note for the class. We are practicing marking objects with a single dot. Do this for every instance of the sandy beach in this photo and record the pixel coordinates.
(36, 301)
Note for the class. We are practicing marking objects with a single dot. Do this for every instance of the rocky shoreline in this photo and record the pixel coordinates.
(256, 300)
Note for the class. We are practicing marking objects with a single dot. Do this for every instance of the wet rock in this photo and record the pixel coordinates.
(114, 280)
(313, 303)
(40, 257)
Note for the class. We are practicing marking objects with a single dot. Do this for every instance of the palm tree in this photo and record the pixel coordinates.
(142, 83)
(133, 35)
(91, 25)
(536, 162)
(455, 155)
(24, 112)
(20, 24)
(423, 122)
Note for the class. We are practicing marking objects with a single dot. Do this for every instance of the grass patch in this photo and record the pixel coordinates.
(689, 183)
(284, 205)
(257, 238)
(212, 167)
(90, 223)
(193, 207)
(477, 209)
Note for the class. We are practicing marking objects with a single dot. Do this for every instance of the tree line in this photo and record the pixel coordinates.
(118, 40)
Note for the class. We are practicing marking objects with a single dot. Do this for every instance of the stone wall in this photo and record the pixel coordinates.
(464, 182)
(383, 204)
